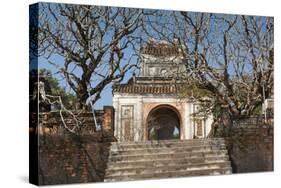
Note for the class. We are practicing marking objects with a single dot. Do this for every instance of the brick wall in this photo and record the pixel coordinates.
(51, 122)
(72, 158)
(65, 157)
(251, 148)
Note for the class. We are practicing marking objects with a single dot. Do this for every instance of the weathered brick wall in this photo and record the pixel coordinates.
(72, 158)
(251, 148)
(65, 157)
(51, 122)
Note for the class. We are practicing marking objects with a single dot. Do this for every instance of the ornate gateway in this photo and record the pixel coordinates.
(149, 107)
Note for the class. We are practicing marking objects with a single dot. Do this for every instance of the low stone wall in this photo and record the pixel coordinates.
(72, 158)
(251, 148)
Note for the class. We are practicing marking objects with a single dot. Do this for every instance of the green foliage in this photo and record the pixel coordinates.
(194, 90)
(217, 111)
(176, 135)
(257, 110)
(69, 100)
(153, 135)
(203, 97)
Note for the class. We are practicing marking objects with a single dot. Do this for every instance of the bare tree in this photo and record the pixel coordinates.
(234, 60)
(96, 44)
(229, 58)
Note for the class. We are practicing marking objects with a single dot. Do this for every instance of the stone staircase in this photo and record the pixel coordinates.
(167, 158)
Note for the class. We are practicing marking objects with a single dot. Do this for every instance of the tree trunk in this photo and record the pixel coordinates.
(82, 96)
(223, 125)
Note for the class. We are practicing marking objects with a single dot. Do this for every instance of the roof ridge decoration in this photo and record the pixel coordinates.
(161, 48)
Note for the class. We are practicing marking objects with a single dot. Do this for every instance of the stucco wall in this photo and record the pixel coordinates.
(143, 104)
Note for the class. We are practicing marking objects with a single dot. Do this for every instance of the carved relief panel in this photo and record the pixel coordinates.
(127, 118)
(199, 128)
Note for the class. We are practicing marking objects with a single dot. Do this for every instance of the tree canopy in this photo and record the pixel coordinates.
(229, 58)
(97, 44)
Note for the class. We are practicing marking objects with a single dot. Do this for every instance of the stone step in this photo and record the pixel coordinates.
(158, 175)
(167, 149)
(170, 140)
(165, 162)
(167, 158)
(163, 155)
(171, 167)
(166, 143)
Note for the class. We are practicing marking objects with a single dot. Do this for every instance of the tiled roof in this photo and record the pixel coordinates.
(147, 88)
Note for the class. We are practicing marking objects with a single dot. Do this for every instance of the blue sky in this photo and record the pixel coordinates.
(106, 95)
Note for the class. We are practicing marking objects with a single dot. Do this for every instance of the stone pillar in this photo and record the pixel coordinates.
(115, 103)
(208, 125)
(108, 118)
(185, 121)
(192, 110)
(138, 121)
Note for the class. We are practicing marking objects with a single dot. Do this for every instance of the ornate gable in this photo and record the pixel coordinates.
(160, 63)
(161, 59)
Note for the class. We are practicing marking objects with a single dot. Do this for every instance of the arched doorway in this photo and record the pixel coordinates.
(163, 123)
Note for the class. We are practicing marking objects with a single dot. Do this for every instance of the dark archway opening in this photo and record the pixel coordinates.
(163, 124)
